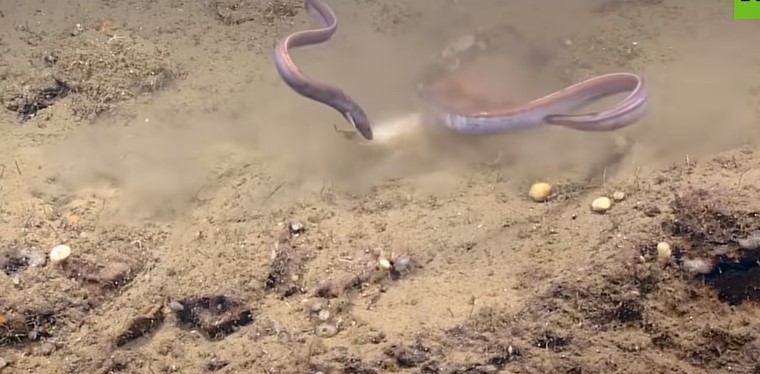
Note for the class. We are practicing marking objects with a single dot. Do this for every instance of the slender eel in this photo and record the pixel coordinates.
(550, 108)
(327, 24)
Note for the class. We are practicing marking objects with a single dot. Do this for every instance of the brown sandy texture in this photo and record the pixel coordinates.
(218, 223)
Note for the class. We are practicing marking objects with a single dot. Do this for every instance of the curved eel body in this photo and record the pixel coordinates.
(322, 92)
(548, 109)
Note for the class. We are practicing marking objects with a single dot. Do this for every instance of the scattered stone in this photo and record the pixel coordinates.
(540, 191)
(60, 253)
(601, 204)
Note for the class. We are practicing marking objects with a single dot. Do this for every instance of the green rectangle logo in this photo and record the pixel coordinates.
(746, 9)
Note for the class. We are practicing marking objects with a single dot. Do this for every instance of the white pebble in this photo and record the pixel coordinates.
(60, 253)
(664, 252)
(601, 204)
(540, 191)
(618, 196)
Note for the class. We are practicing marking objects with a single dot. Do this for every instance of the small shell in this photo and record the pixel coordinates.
(601, 204)
(540, 191)
(60, 253)
(618, 196)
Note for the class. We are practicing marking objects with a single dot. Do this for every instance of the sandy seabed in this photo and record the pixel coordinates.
(219, 223)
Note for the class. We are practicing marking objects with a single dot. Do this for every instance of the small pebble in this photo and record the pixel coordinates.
(601, 204)
(664, 252)
(384, 263)
(618, 196)
(540, 191)
(60, 253)
(323, 315)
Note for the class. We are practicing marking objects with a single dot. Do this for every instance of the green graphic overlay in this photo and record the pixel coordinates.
(746, 9)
